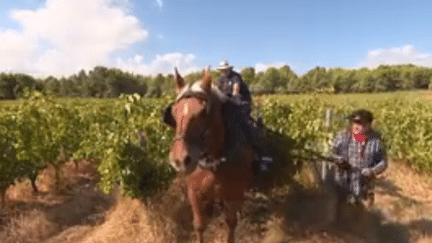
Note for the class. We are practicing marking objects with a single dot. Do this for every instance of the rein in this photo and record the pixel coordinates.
(314, 154)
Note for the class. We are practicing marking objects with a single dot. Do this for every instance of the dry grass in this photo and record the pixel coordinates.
(78, 213)
(33, 226)
(131, 221)
(402, 213)
(31, 217)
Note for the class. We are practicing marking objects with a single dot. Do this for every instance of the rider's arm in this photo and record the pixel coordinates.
(236, 83)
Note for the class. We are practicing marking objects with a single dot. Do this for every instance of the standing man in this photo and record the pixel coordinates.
(360, 155)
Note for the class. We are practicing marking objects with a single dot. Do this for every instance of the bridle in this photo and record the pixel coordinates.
(207, 124)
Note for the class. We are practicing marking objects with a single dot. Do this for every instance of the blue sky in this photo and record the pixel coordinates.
(60, 37)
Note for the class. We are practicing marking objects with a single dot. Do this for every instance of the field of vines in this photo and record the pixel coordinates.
(41, 131)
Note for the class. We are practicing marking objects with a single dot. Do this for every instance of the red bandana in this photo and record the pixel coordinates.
(360, 138)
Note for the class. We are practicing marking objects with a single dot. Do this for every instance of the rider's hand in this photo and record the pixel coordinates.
(236, 89)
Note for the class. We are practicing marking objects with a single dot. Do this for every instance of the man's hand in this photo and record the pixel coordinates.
(342, 163)
(367, 172)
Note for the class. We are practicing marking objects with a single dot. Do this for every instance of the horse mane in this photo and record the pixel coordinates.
(196, 88)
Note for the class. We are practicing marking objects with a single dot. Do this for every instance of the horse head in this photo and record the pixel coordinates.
(197, 119)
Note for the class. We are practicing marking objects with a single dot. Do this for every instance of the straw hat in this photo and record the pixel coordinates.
(224, 65)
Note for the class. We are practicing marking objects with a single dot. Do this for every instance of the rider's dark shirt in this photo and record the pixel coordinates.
(226, 84)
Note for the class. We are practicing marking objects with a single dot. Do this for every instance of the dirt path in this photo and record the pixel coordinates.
(402, 213)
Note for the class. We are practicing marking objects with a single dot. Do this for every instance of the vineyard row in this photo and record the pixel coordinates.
(127, 140)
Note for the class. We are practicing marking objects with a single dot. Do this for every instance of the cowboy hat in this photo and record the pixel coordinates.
(361, 115)
(224, 65)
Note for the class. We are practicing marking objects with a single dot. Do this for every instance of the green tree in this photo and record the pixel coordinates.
(288, 77)
(248, 75)
(51, 86)
(7, 85)
(365, 81)
(271, 82)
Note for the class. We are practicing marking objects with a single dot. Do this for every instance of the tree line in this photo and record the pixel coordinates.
(338, 80)
(103, 82)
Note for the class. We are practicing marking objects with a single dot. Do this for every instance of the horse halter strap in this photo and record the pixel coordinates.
(179, 137)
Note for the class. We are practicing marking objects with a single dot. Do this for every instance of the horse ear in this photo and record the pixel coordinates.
(206, 80)
(179, 81)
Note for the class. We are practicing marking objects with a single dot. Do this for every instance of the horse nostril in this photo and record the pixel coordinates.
(187, 160)
(176, 164)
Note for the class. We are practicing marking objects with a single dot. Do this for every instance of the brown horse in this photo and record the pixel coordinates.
(200, 134)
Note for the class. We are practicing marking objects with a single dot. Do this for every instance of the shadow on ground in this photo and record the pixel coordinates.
(307, 214)
(296, 214)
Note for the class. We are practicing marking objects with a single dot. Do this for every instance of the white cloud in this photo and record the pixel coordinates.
(161, 64)
(160, 3)
(15, 50)
(399, 55)
(262, 67)
(67, 35)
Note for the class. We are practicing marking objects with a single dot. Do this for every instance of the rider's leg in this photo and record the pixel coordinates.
(255, 135)
(235, 129)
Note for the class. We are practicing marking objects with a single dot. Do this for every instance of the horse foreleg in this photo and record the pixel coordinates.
(231, 210)
(199, 232)
(198, 214)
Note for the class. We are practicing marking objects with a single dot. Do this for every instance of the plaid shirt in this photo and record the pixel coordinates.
(367, 155)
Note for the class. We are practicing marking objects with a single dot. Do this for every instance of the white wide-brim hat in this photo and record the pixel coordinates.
(224, 65)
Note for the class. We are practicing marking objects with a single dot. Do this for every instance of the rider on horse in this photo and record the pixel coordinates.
(233, 86)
